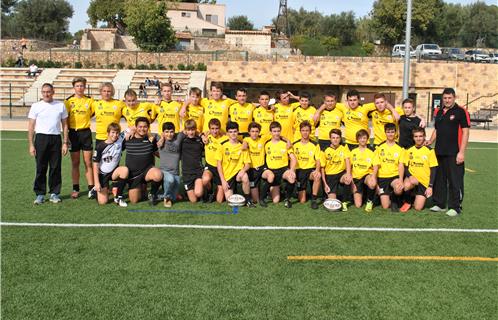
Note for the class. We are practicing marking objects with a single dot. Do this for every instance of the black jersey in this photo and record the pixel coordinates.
(406, 125)
(192, 149)
(108, 155)
(140, 154)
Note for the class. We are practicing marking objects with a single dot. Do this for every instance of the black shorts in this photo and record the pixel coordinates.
(385, 187)
(214, 172)
(324, 144)
(303, 177)
(351, 146)
(359, 183)
(420, 190)
(333, 181)
(136, 179)
(279, 173)
(255, 176)
(189, 180)
(104, 179)
(80, 140)
(232, 184)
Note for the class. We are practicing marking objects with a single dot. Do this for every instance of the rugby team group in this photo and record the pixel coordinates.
(224, 145)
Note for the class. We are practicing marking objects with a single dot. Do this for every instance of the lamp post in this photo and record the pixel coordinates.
(406, 69)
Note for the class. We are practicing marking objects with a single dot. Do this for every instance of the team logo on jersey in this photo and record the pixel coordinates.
(161, 110)
(411, 156)
(115, 107)
(452, 117)
(396, 154)
(424, 157)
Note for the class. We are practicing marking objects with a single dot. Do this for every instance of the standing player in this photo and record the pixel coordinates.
(134, 109)
(192, 168)
(336, 168)
(284, 113)
(362, 163)
(80, 111)
(422, 165)
(329, 116)
(107, 111)
(233, 163)
(255, 145)
(304, 112)
(194, 110)
(407, 123)
(389, 168)
(264, 115)
(166, 109)
(308, 155)
(106, 166)
(281, 162)
(241, 112)
(382, 116)
(140, 151)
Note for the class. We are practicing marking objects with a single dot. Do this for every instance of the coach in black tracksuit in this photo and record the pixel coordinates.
(451, 134)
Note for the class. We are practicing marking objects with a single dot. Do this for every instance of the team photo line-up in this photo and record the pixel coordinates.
(222, 143)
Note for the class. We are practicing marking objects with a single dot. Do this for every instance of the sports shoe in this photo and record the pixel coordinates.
(250, 204)
(75, 194)
(120, 201)
(152, 199)
(314, 205)
(436, 209)
(263, 203)
(287, 204)
(344, 206)
(167, 203)
(452, 213)
(92, 194)
(394, 207)
(369, 206)
(39, 199)
(54, 198)
(405, 207)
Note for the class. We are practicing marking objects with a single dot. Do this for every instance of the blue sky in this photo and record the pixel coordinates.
(260, 12)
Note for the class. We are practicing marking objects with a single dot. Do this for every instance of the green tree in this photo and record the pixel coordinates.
(330, 43)
(303, 22)
(342, 26)
(482, 25)
(111, 12)
(147, 22)
(240, 23)
(449, 24)
(8, 6)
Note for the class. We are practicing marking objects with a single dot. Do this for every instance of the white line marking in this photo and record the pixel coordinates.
(220, 227)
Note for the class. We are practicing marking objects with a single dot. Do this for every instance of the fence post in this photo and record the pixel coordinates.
(49, 54)
(136, 59)
(158, 59)
(467, 104)
(107, 58)
(10, 100)
(428, 107)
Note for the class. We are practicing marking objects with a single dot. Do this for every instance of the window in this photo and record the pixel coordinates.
(238, 42)
(212, 18)
(186, 14)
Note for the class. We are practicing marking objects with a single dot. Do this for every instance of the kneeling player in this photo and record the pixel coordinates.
(422, 164)
(210, 177)
(140, 151)
(307, 153)
(281, 164)
(106, 159)
(388, 166)
(232, 164)
(255, 145)
(336, 169)
(362, 162)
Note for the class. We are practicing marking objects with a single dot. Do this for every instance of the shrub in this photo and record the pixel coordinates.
(190, 67)
(181, 66)
(368, 47)
(142, 67)
(120, 65)
(131, 67)
(161, 67)
(152, 66)
(111, 66)
(78, 65)
(171, 67)
(200, 67)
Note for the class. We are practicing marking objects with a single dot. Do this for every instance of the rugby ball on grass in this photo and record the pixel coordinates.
(332, 204)
(236, 200)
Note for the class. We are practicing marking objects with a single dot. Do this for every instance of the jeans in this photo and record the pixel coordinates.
(170, 185)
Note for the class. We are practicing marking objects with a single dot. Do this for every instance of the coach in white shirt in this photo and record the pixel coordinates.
(45, 119)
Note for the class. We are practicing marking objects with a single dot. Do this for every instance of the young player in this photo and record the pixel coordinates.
(304, 112)
(382, 116)
(255, 145)
(336, 168)
(281, 162)
(140, 151)
(134, 109)
(194, 110)
(407, 123)
(362, 164)
(233, 163)
(106, 165)
(422, 165)
(389, 168)
(308, 154)
(212, 146)
(191, 156)
(328, 116)
(80, 111)
(169, 154)
(264, 115)
(241, 112)
(166, 109)
(284, 113)
(107, 111)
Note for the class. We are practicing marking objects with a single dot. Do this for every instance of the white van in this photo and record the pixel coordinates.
(428, 50)
(399, 51)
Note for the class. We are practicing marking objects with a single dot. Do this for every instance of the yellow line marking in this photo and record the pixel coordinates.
(470, 170)
(406, 258)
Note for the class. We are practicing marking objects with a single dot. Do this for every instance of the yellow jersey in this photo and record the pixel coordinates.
(242, 115)
(167, 111)
(256, 150)
(355, 120)
(232, 158)
(300, 115)
(334, 160)
(212, 148)
(277, 154)
(80, 111)
(388, 159)
(216, 109)
(379, 120)
(195, 113)
(107, 112)
(420, 161)
(143, 109)
(330, 119)
(361, 162)
(284, 115)
(264, 117)
(307, 154)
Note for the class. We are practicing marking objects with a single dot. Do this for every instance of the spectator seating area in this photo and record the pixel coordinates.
(14, 82)
(94, 77)
(182, 77)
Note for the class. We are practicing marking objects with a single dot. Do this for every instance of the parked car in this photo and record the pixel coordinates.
(428, 51)
(399, 51)
(452, 54)
(493, 58)
(476, 55)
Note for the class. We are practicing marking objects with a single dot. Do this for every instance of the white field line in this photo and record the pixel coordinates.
(221, 227)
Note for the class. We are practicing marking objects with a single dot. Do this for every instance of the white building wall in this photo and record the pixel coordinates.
(258, 43)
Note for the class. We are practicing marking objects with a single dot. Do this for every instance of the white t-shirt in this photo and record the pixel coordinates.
(48, 116)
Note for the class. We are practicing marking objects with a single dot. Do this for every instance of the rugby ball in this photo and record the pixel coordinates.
(236, 200)
(332, 204)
